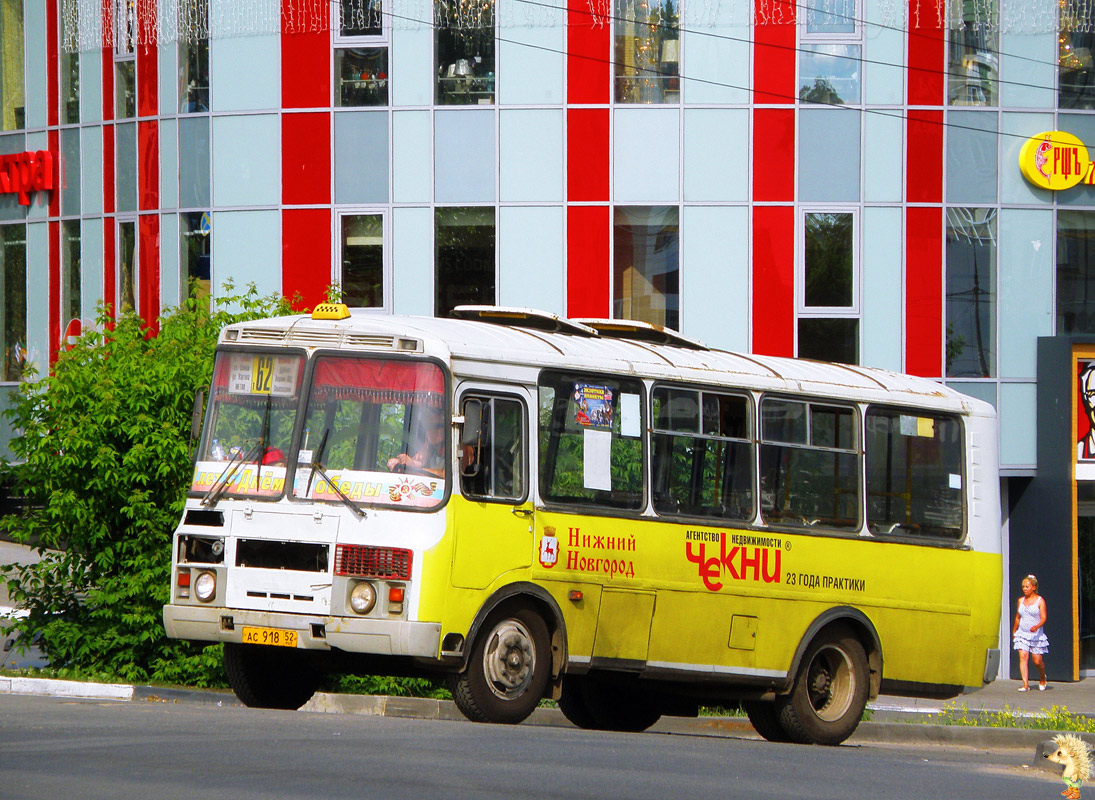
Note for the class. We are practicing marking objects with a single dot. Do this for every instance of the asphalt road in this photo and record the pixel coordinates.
(50, 748)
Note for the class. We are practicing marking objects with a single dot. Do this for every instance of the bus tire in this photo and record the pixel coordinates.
(508, 671)
(764, 717)
(269, 677)
(830, 690)
(572, 703)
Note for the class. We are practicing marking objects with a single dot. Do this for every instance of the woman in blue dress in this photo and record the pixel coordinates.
(1028, 634)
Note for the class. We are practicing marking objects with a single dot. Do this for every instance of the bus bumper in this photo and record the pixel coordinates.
(374, 636)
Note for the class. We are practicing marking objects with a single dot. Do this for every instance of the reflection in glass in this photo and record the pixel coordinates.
(1076, 40)
(971, 292)
(973, 56)
(127, 265)
(829, 73)
(13, 99)
(195, 242)
(193, 56)
(830, 17)
(1075, 272)
(464, 242)
(647, 51)
(362, 260)
(70, 271)
(465, 51)
(362, 76)
(646, 265)
(829, 263)
(13, 288)
(361, 18)
(70, 65)
(125, 89)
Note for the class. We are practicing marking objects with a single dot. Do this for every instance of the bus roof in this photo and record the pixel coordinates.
(539, 344)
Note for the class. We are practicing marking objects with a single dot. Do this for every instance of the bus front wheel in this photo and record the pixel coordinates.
(508, 670)
(269, 677)
(830, 690)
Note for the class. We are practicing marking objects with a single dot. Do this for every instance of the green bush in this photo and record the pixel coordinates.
(101, 455)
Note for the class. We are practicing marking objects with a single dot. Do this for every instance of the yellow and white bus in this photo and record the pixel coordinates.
(596, 511)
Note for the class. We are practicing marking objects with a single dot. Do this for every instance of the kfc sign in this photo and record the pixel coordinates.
(23, 173)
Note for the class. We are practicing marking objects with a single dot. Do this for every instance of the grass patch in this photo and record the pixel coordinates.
(1055, 718)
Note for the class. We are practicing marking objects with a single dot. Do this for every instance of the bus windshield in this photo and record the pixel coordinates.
(249, 425)
(375, 432)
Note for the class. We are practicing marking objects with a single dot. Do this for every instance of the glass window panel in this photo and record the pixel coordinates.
(362, 76)
(1075, 272)
(973, 55)
(647, 51)
(492, 465)
(830, 73)
(194, 163)
(1075, 43)
(832, 427)
(13, 101)
(971, 292)
(127, 265)
(833, 339)
(70, 160)
(193, 56)
(70, 63)
(125, 27)
(125, 166)
(646, 256)
(783, 421)
(809, 487)
(725, 415)
(464, 258)
(677, 410)
(195, 246)
(13, 326)
(831, 17)
(465, 45)
(829, 262)
(914, 474)
(361, 18)
(70, 271)
(362, 263)
(125, 89)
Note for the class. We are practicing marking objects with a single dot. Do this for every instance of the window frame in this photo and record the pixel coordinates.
(472, 392)
(386, 266)
(854, 311)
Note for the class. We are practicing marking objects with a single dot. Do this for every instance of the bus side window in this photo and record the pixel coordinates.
(492, 457)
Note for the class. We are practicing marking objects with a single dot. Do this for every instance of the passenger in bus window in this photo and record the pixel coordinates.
(428, 449)
(1028, 632)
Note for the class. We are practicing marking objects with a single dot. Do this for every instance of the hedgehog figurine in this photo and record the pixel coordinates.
(1070, 751)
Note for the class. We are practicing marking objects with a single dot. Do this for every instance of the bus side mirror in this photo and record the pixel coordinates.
(196, 417)
(471, 434)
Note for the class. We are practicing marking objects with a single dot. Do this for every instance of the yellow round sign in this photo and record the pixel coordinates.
(1054, 160)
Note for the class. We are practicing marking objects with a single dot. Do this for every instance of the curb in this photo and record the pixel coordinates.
(424, 708)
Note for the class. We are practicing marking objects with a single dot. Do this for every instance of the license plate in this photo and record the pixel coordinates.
(270, 636)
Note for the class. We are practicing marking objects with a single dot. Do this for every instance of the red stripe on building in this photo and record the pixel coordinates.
(589, 54)
(588, 292)
(774, 54)
(774, 155)
(54, 229)
(774, 280)
(54, 289)
(927, 54)
(148, 167)
(588, 155)
(924, 157)
(53, 72)
(924, 290)
(306, 253)
(306, 65)
(306, 158)
(149, 265)
(147, 97)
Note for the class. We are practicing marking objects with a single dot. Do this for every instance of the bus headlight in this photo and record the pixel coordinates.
(205, 586)
(362, 598)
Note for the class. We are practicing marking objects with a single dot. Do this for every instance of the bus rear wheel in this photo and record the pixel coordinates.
(508, 670)
(269, 677)
(830, 691)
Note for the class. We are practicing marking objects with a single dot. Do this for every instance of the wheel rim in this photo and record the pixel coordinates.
(509, 660)
(831, 683)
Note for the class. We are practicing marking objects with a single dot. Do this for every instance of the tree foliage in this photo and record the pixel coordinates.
(101, 455)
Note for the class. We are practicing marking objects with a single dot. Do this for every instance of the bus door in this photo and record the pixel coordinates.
(493, 515)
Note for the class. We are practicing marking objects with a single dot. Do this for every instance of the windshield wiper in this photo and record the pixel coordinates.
(317, 466)
(220, 485)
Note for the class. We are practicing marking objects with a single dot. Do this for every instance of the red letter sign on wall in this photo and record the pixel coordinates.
(23, 173)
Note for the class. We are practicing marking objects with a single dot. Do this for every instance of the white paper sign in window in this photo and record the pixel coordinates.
(597, 451)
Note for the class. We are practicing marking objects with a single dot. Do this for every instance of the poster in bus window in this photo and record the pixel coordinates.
(1085, 408)
(592, 406)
